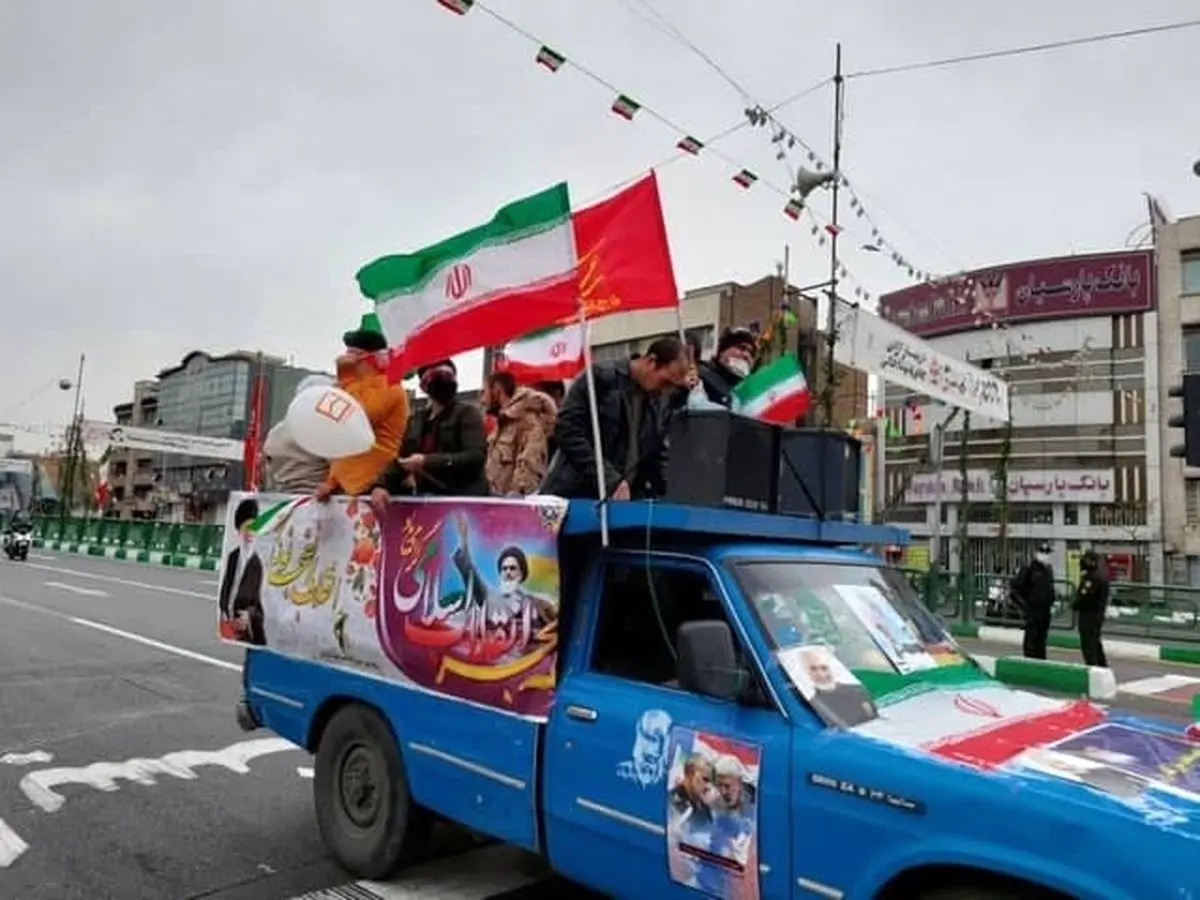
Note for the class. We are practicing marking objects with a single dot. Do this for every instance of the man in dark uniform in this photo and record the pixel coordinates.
(1034, 587)
(1091, 604)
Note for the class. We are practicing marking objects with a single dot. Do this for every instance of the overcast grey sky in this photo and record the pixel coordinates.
(178, 174)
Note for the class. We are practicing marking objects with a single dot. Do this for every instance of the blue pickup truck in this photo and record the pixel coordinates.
(724, 703)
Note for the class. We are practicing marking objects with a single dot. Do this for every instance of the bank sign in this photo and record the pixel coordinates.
(1035, 486)
(1065, 287)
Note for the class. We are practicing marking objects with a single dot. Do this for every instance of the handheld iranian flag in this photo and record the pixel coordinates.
(777, 393)
(554, 354)
(483, 287)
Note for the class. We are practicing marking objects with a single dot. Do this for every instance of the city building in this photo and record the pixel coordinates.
(707, 311)
(1177, 249)
(1078, 340)
(204, 395)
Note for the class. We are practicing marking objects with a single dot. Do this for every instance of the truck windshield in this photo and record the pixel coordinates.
(869, 616)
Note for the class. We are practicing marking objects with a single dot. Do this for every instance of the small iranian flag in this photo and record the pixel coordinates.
(777, 393)
(553, 354)
(483, 287)
(793, 209)
(625, 107)
(690, 145)
(460, 7)
(550, 59)
(745, 178)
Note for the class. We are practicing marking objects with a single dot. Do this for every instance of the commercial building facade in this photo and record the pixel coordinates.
(207, 395)
(1078, 341)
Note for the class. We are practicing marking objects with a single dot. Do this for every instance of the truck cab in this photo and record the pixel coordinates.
(726, 703)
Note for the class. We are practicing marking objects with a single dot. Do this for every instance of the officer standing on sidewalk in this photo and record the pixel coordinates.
(1091, 605)
(1034, 587)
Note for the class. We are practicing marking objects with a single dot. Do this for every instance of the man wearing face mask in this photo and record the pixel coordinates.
(444, 450)
(1034, 587)
(733, 361)
(633, 404)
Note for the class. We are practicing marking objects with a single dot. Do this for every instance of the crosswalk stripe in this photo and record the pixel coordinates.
(1158, 684)
(476, 875)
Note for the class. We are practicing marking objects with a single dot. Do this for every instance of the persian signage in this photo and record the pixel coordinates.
(871, 344)
(151, 440)
(1096, 284)
(1035, 486)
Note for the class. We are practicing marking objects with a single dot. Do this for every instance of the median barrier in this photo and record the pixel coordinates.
(1060, 677)
(177, 544)
(1114, 647)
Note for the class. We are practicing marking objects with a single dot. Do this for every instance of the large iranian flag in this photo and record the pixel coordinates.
(776, 393)
(624, 265)
(482, 287)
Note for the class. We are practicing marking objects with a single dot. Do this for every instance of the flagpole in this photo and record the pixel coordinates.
(594, 410)
(827, 397)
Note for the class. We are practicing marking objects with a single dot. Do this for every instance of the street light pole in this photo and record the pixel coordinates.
(69, 474)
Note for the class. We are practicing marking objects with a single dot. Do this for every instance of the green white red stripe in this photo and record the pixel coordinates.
(460, 7)
(625, 107)
(486, 286)
(689, 144)
(776, 393)
(745, 178)
(553, 354)
(550, 58)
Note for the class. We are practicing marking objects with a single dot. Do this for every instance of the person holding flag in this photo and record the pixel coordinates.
(733, 361)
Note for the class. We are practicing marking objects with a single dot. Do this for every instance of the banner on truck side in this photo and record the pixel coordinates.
(455, 596)
(871, 344)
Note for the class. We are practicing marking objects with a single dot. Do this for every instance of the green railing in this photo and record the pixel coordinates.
(130, 539)
(1159, 611)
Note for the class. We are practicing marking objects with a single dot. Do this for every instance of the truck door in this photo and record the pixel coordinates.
(650, 788)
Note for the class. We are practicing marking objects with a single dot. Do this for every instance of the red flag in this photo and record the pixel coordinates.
(624, 258)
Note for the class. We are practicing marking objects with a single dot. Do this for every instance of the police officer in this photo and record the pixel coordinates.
(1034, 587)
(1091, 604)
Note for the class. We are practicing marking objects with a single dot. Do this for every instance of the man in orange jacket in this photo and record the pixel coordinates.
(361, 373)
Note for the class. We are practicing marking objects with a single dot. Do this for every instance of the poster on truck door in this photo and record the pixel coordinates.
(459, 597)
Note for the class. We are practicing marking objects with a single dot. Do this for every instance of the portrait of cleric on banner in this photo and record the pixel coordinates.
(470, 598)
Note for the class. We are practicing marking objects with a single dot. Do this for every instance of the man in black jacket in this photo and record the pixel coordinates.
(632, 402)
(1091, 603)
(1034, 587)
(733, 361)
(444, 449)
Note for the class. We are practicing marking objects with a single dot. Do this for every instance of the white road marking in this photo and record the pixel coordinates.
(42, 556)
(26, 759)
(39, 787)
(211, 582)
(75, 589)
(112, 579)
(304, 771)
(1148, 687)
(11, 845)
(159, 645)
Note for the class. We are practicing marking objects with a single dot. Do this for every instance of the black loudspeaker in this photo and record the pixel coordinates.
(820, 472)
(716, 459)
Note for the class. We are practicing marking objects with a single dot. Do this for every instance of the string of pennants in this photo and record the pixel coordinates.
(628, 108)
(958, 288)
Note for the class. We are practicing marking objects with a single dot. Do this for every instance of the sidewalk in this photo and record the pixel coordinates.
(1118, 648)
(145, 557)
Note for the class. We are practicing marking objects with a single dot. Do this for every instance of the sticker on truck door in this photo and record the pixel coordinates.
(712, 814)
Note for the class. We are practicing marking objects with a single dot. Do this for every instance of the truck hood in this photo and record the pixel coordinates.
(1149, 767)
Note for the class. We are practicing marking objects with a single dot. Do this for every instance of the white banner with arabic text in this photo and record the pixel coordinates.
(127, 437)
(870, 344)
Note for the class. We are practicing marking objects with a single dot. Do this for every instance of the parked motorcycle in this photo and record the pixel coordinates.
(17, 544)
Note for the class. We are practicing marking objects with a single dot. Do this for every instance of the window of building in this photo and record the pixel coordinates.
(1071, 514)
(1191, 272)
(1191, 349)
(1192, 500)
(641, 609)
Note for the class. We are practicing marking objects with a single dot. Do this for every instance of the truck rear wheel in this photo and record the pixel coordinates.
(364, 811)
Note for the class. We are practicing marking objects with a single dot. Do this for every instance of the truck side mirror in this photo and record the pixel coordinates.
(708, 663)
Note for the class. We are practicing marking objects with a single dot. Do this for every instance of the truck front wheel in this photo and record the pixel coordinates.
(364, 811)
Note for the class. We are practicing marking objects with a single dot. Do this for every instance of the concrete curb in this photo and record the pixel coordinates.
(123, 554)
(1061, 677)
(1120, 649)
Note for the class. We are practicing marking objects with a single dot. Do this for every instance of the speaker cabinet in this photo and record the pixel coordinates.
(717, 459)
(820, 466)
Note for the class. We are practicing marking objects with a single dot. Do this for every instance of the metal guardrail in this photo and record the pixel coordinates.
(132, 539)
(1158, 611)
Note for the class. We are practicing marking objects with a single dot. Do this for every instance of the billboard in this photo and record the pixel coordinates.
(1060, 288)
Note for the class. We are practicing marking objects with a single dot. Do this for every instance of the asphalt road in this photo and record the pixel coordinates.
(123, 773)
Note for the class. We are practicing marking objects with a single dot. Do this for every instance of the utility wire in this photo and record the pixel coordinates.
(1026, 50)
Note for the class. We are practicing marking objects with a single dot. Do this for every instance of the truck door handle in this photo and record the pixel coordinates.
(582, 713)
